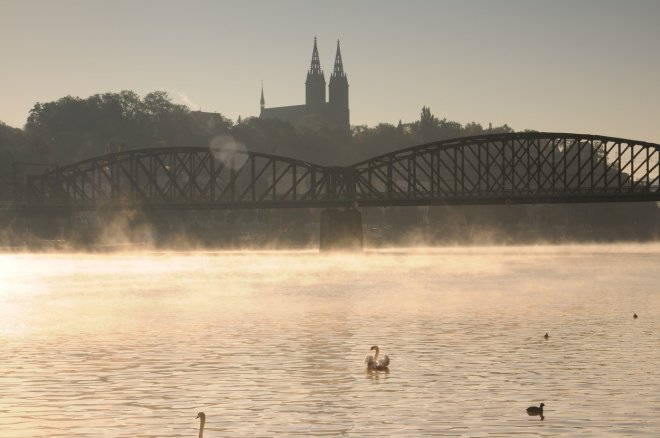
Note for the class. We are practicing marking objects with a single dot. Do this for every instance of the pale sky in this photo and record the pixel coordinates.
(587, 66)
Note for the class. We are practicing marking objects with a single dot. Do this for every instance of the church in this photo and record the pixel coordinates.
(334, 112)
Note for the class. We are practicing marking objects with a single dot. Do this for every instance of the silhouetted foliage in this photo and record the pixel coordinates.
(270, 136)
(380, 139)
(385, 137)
(11, 142)
(72, 128)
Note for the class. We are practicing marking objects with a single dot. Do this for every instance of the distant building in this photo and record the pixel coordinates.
(334, 112)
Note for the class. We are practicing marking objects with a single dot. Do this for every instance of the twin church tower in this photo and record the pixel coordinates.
(333, 112)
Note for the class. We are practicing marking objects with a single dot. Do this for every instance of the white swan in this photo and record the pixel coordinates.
(375, 364)
(202, 420)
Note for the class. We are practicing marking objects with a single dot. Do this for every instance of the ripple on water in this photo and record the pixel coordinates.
(272, 344)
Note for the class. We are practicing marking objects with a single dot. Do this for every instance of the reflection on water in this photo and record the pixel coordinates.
(272, 344)
(376, 375)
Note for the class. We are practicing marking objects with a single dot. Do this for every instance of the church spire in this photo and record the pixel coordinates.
(338, 90)
(262, 101)
(315, 83)
(338, 70)
(315, 68)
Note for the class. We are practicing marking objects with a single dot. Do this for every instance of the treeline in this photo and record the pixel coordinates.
(72, 129)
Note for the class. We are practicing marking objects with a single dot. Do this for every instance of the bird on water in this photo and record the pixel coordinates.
(546, 336)
(635, 316)
(202, 420)
(533, 410)
(373, 363)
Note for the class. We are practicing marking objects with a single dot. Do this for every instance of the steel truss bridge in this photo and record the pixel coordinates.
(528, 167)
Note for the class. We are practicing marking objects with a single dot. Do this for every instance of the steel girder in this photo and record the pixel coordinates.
(186, 178)
(529, 167)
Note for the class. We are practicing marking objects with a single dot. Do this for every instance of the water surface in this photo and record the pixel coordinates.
(272, 343)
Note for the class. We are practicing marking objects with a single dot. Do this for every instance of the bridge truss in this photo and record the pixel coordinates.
(530, 167)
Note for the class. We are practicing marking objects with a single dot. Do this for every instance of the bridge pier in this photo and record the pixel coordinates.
(341, 230)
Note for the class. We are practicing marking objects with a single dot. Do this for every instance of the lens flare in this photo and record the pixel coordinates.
(228, 151)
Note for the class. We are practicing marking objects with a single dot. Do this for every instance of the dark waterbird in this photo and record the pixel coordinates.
(546, 336)
(202, 420)
(533, 410)
(635, 316)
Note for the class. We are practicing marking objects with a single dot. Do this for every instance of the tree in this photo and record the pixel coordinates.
(380, 139)
(72, 128)
(428, 124)
(271, 136)
(11, 142)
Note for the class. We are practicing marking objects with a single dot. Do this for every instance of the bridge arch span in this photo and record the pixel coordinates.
(183, 177)
(525, 167)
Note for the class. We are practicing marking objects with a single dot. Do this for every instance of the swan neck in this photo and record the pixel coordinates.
(376, 355)
(201, 427)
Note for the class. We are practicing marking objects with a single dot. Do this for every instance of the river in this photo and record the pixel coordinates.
(134, 344)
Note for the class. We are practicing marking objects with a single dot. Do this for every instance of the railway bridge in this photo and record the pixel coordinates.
(512, 168)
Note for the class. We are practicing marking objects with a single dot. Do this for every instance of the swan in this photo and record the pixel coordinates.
(202, 420)
(373, 363)
(533, 410)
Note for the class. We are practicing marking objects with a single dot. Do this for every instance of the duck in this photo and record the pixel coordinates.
(374, 364)
(635, 316)
(533, 410)
(546, 336)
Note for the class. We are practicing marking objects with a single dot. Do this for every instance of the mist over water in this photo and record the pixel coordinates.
(271, 343)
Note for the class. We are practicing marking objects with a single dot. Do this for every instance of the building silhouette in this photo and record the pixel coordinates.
(334, 112)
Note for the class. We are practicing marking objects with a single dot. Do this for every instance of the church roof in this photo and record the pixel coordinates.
(291, 113)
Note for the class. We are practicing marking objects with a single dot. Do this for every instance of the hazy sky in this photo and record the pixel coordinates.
(590, 66)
